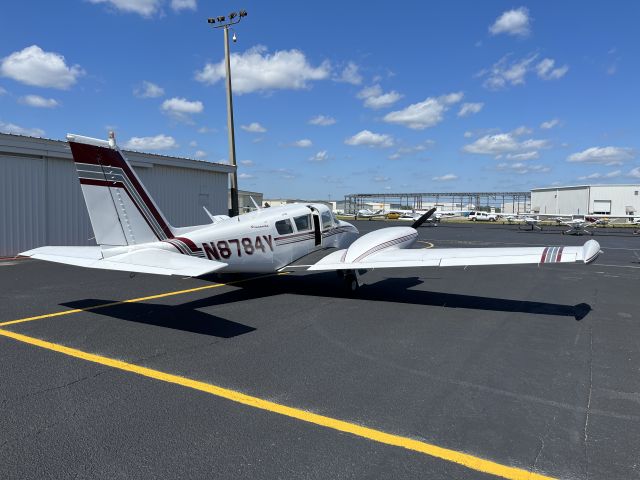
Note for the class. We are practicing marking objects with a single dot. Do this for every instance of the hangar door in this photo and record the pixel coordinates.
(602, 207)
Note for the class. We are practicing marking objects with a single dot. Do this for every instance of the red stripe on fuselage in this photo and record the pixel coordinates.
(106, 157)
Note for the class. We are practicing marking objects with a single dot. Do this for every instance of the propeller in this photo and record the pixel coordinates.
(423, 219)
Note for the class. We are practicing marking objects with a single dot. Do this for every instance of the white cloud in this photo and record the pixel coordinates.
(507, 144)
(15, 129)
(181, 108)
(512, 22)
(445, 178)
(193, 144)
(350, 74)
(178, 5)
(253, 127)
(522, 168)
(159, 142)
(522, 130)
(424, 114)
(200, 154)
(205, 129)
(380, 178)
(546, 70)
(550, 124)
(38, 101)
(635, 172)
(322, 120)
(523, 156)
(304, 143)
(148, 90)
(2, 91)
(146, 8)
(470, 109)
(409, 150)
(320, 156)
(370, 139)
(247, 163)
(256, 70)
(505, 72)
(603, 155)
(468, 134)
(245, 176)
(595, 176)
(375, 98)
(34, 66)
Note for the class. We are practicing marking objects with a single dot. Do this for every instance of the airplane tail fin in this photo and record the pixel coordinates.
(121, 210)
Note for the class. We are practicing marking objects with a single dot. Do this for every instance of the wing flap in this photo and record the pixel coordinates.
(148, 260)
(450, 257)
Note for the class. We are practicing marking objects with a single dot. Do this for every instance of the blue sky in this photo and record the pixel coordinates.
(341, 97)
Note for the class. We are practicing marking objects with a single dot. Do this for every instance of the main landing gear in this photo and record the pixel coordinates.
(351, 280)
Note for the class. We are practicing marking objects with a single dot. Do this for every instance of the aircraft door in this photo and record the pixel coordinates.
(317, 228)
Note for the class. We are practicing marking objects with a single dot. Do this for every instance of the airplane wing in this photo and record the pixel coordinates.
(147, 260)
(450, 257)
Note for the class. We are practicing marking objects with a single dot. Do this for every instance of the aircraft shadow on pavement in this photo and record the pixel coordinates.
(396, 290)
(176, 317)
(187, 316)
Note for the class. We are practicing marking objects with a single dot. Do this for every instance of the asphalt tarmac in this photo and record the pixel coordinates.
(532, 368)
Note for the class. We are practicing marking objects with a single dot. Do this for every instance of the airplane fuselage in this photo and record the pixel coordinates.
(261, 241)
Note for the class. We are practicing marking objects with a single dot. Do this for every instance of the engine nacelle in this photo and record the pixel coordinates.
(391, 238)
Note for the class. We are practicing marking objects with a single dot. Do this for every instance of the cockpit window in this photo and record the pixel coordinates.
(327, 222)
(284, 226)
(303, 223)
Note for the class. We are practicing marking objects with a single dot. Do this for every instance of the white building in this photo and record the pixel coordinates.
(614, 200)
(41, 202)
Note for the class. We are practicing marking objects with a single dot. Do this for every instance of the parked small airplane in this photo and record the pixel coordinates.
(133, 235)
(578, 226)
(523, 222)
(531, 222)
(366, 213)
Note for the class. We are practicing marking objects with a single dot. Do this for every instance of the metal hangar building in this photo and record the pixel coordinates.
(42, 203)
(614, 200)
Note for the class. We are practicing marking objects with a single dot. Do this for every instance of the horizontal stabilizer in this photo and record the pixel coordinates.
(147, 260)
(451, 257)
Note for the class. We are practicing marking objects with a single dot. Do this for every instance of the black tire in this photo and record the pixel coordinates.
(351, 283)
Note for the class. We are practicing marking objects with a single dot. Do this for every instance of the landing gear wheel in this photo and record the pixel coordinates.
(351, 283)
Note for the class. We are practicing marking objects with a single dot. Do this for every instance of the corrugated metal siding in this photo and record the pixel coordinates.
(621, 196)
(42, 203)
(22, 193)
(67, 220)
(181, 193)
(569, 200)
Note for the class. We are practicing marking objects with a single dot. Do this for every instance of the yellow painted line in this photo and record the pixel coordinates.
(429, 245)
(132, 300)
(464, 459)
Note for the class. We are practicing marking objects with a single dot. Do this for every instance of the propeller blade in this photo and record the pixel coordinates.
(423, 218)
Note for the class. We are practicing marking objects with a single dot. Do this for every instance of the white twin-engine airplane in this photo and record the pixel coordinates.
(133, 235)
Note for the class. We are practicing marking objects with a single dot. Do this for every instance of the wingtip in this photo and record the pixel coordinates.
(590, 251)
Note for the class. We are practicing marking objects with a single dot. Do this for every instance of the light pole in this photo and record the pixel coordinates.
(225, 23)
